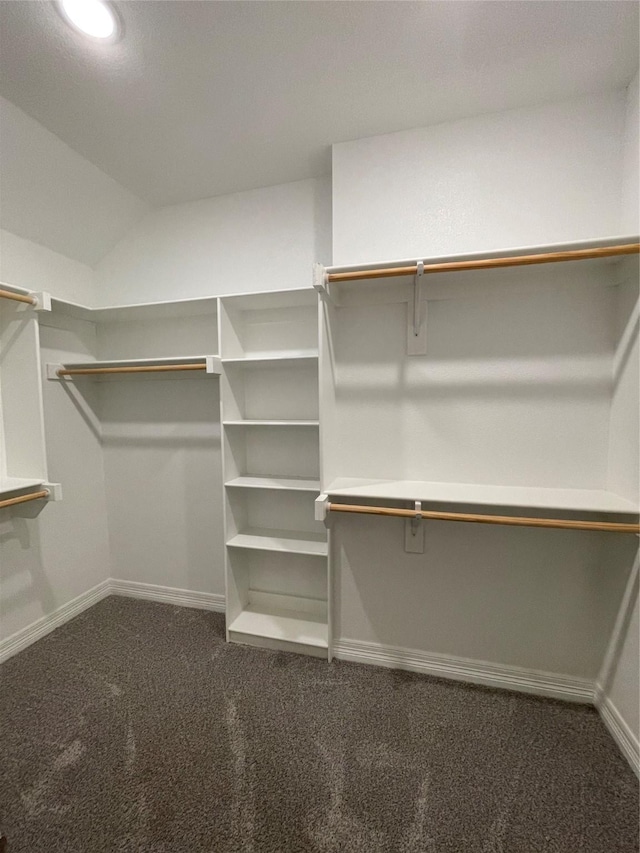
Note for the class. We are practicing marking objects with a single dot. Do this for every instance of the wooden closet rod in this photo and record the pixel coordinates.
(490, 263)
(514, 521)
(147, 368)
(18, 297)
(32, 496)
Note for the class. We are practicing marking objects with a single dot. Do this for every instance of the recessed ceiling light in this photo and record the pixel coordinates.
(94, 18)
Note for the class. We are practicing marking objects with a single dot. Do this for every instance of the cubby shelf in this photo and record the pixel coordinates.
(275, 359)
(291, 484)
(284, 626)
(578, 500)
(288, 541)
(268, 423)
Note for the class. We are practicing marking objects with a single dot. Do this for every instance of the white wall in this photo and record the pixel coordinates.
(631, 171)
(53, 196)
(538, 175)
(265, 239)
(162, 459)
(32, 266)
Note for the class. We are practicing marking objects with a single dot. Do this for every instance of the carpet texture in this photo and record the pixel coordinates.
(135, 728)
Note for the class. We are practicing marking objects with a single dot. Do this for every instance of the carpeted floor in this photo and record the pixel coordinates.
(136, 729)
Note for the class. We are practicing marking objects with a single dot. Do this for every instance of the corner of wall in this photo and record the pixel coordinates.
(24, 263)
(630, 212)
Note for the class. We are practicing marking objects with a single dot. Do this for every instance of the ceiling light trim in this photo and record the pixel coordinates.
(112, 38)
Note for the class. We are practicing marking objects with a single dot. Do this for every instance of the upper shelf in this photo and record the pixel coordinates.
(275, 360)
(578, 500)
(206, 365)
(603, 249)
(289, 484)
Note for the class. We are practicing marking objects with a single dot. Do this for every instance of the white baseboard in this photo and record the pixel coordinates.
(26, 636)
(150, 592)
(463, 669)
(619, 731)
(167, 595)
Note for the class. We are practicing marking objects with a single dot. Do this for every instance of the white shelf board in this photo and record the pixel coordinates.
(269, 299)
(291, 626)
(291, 484)
(250, 423)
(275, 359)
(512, 251)
(287, 541)
(579, 500)
(14, 484)
(139, 311)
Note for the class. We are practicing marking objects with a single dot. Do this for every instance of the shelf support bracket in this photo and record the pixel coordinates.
(414, 532)
(321, 507)
(417, 316)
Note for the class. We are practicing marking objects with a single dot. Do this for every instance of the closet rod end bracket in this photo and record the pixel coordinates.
(321, 283)
(321, 507)
(43, 301)
(52, 370)
(55, 491)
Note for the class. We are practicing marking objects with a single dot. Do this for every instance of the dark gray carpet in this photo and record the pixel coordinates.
(136, 728)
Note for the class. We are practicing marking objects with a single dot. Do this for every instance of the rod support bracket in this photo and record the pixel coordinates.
(414, 531)
(417, 316)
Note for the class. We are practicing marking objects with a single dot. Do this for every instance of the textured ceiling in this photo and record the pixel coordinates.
(206, 98)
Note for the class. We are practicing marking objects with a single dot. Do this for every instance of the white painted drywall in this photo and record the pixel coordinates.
(162, 462)
(538, 175)
(48, 560)
(265, 239)
(508, 393)
(631, 173)
(24, 263)
(53, 196)
(542, 600)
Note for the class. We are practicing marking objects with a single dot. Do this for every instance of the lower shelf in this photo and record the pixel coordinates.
(289, 541)
(274, 627)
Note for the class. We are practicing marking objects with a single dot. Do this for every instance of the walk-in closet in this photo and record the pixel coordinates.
(319, 426)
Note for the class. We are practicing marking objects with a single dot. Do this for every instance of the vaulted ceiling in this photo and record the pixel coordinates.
(206, 98)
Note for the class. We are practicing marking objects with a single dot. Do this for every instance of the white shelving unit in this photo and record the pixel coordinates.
(23, 459)
(512, 401)
(276, 556)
